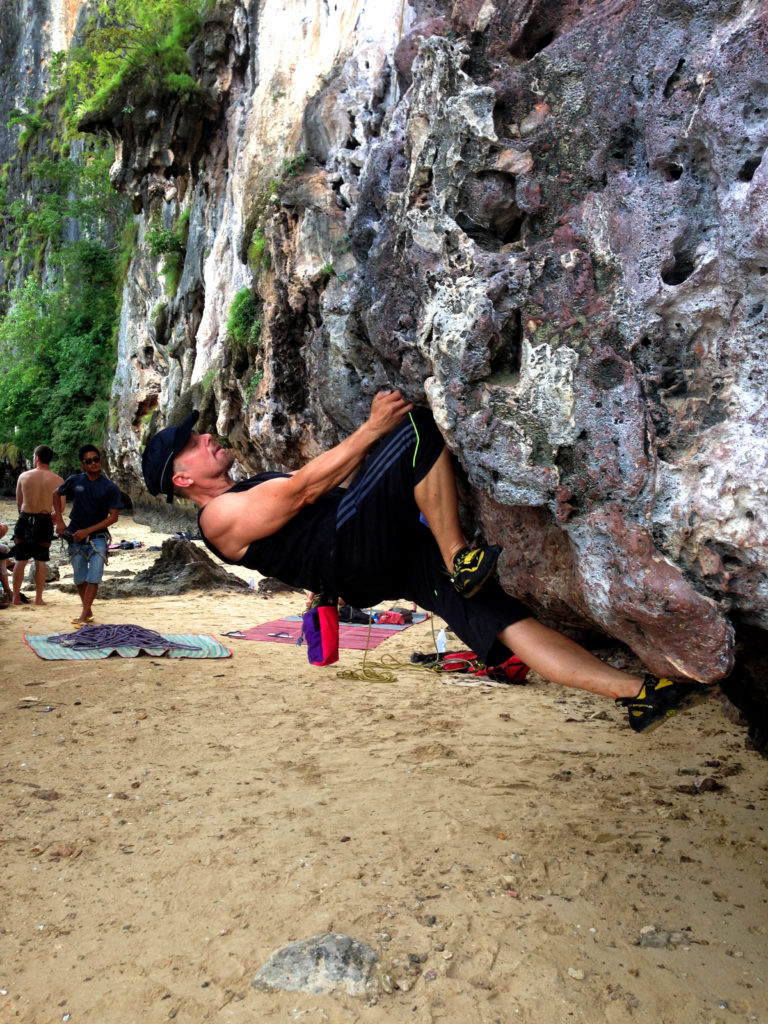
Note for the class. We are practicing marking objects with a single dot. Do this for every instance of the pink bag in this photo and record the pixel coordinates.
(321, 631)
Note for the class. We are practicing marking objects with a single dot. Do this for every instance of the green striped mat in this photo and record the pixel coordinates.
(207, 647)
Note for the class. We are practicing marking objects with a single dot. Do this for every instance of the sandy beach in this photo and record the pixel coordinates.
(513, 854)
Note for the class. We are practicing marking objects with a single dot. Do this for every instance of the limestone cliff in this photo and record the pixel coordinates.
(29, 33)
(546, 220)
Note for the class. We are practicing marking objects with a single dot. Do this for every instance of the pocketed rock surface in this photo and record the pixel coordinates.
(509, 853)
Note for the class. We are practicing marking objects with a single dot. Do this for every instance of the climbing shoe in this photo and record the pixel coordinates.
(658, 700)
(472, 567)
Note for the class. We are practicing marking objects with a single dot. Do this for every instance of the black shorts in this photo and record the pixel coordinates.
(384, 551)
(377, 519)
(32, 537)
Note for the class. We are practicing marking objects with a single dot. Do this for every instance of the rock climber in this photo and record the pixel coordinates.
(348, 524)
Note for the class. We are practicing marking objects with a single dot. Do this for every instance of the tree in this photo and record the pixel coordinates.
(65, 226)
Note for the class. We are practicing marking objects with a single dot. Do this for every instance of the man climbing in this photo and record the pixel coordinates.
(347, 524)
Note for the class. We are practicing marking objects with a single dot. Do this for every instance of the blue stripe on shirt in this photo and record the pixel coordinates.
(380, 463)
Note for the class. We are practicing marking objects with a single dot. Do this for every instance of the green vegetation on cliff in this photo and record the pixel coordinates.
(62, 237)
(243, 322)
(67, 237)
(130, 44)
(171, 244)
(56, 355)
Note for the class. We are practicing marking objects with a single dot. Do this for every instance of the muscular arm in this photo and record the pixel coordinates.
(233, 521)
(59, 504)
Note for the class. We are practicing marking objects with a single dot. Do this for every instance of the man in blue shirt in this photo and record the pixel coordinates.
(96, 503)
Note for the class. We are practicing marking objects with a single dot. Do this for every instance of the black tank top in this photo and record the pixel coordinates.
(301, 553)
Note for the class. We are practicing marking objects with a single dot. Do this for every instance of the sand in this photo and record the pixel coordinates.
(167, 825)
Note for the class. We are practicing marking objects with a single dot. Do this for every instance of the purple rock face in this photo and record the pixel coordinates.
(563, 249)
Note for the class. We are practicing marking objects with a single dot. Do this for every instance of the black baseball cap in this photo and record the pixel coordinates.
(157, 460)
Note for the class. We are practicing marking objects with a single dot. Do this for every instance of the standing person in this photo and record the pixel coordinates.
(96, 503)
(347, 524)
(33, 533)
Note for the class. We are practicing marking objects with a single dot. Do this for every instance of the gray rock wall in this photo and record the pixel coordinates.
(545, 220)
(29, 33)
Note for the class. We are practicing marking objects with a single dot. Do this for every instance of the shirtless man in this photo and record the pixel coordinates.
(33, 533)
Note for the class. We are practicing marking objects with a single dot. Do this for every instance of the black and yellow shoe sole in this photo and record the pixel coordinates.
(686, 702)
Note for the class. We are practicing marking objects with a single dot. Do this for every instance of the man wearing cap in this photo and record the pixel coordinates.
(96, 505)
(347, 524)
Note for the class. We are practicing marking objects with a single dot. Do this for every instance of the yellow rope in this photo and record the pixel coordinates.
(379, 671)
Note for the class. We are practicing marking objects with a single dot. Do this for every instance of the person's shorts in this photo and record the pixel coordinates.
(377, 517)
(384, 552)
(32, 538)
(88, 558)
